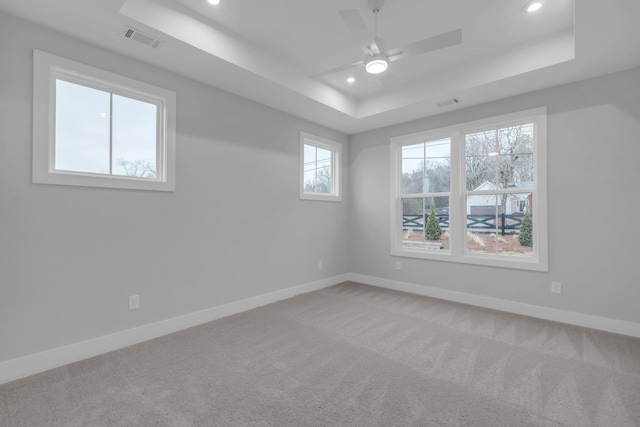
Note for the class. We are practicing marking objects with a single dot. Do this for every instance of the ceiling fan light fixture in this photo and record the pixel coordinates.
(376, 64)
(533, 6)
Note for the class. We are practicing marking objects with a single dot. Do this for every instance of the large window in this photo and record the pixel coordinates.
(319, 168)
(425, 193)
(474, 192)
(95, 128)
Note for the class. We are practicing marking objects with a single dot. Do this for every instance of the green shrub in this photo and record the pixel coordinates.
(433, 231)
(526, 227)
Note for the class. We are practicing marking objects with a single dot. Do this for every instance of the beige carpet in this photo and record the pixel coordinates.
(348, 355)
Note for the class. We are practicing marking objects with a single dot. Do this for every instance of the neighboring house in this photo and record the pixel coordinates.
(485, 204)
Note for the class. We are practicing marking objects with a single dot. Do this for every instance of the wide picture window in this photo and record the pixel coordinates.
(95, 128)
(473, 193)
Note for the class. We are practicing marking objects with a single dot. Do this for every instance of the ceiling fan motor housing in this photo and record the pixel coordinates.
(375, 5)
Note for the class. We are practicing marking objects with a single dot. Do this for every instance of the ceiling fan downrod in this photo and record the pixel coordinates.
(377, 62)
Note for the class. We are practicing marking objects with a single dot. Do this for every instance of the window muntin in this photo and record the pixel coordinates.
(497, 184)
(426, 167)
(493, 229)
(97, 131)
(425, 185)
(501, 156)
(500, 184)
(422, 228)
(319, 168)
(96, 128)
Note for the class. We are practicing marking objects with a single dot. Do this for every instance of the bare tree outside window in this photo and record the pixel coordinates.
(318, 163)
(138, 168)
(502, 157)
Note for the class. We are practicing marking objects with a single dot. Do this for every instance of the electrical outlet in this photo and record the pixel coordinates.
(398, 265)
(320, 265)
(556, 287)
(134, 302)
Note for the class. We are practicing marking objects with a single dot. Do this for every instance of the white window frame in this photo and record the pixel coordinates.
(47, 68)
(457, 200)
(335, 195)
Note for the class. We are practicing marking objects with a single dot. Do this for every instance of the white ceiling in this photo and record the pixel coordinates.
(277, 52)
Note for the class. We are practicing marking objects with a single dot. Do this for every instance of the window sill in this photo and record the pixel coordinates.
(320, 197)
(474, 259)
(91, 180)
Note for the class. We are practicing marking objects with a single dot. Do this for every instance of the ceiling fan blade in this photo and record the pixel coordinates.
(339, 69)
(355, 23)
(378, 46)
(452, 38)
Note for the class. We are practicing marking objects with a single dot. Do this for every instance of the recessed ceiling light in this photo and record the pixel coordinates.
(351, 80)
(532, 6)
(214, 2)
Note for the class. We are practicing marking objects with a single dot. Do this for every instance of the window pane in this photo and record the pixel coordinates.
(480, 160)
(324, 156)
(438, 166)
(426, 167)
(309, 156)
(500, 158)
(515, 227)
(134, 137)
(317, 169)
(323, 174)
(425, 223)
(482, 214)
(81, 128)
(515, 161)
(310, 181)
(309, 168)
(413, 169)
(323, 180)
(495, 224)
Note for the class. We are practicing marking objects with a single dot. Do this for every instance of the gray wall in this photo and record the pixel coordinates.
(234, 228)
(593, 174)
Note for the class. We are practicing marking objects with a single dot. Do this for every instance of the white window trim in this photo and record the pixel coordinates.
(48, 67)
(336, 168)
(457, 236)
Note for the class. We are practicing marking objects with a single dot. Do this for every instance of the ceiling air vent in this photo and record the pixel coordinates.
(139, 36)
(448, 102)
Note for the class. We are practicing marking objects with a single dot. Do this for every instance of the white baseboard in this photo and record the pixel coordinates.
(34, 363)
(570, 317)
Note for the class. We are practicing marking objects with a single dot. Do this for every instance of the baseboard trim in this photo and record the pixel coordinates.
(39, 362)
(569, 317)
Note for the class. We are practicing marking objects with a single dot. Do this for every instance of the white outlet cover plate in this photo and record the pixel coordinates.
(134, 302)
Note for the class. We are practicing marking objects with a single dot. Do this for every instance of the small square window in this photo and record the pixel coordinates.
(319, 168)
(99, 129)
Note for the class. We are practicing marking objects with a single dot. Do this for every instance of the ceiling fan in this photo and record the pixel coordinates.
(377, 58)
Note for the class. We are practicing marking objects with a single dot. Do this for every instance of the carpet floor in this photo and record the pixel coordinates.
(348, 355)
